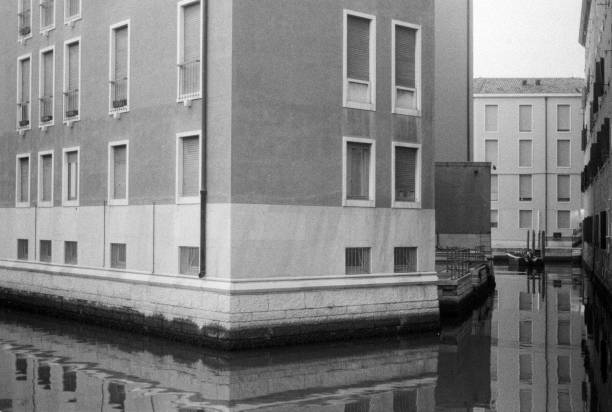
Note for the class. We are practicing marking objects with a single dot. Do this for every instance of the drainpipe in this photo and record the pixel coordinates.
(545, 167)
(469, 80)
(204, 151)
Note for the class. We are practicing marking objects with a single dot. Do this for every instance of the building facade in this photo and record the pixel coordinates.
(529, 130)
(284, 154)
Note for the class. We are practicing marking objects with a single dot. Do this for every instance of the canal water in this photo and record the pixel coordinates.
(539, 342)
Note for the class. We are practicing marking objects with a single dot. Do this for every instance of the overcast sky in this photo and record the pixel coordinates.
(527, 38)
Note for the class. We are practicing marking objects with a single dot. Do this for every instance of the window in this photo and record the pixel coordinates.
(563, 153)
(563, 219)
(525, 331)
(491, 152)
(564, 401)
(189, 260)
(188, 162)
(119, 67)
(563, 118)
(358, 168)
(70, 186)
(494, 188)
(525, 122)
(406, 73)
(563, 188)
(189, 50)
(525, 400)
(46, 103)
(357, 260)
(404, 259)
(118, 173)
(525, 219)
(45, 179)
(525, 367)
(406, 172)
(491, 118)
(22, 249)
(118, 255)
(525, 301)
(563, 369)
(72, 79)
(494, 218)
(47, 15)
(70, 253)
(72, 10)
(359, 60)
(24, 16)
(45, 251)
(22, 195)
(24, 87)
(525, 153)
(525, 187)
(563, 302)
(405, 400)
(563, 332)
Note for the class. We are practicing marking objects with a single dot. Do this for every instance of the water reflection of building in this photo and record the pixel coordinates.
(63, 371)
(536, 361)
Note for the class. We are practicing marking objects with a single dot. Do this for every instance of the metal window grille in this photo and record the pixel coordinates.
(119, 93)
(119, 82)
(25, 18)
(362, 405)
(404, 259)
(118, 255)
(71, 102)
(72, 94)
(70, 253)
(22, 249)
(189, 73)
(357, 260)
(189, 258)
(47, 15)
(405, 401)
(46, 109)
(23, 103)
(189, 65)
(69, 379)
(45, 251)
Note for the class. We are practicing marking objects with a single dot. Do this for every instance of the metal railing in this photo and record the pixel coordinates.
(46, 109)
(457, 262)
(71, 103)
(23, 110)
(404, 259)
(24, 22)
(189, 79)
(119, 92)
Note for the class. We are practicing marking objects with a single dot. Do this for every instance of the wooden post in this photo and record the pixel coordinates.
(533, 240)
(543, 244)
(528, 240)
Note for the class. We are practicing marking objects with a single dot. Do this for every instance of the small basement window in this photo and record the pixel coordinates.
(405, 259)
(118, 255)
(189, 260)
(357, 260)
(22, 249)
(70, 253)
(45, 251)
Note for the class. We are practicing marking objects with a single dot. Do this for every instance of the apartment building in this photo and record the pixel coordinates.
(235, 166)
(529, 130)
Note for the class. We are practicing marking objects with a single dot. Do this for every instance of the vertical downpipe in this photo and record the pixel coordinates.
(104, 234)
(469, 79)
(204, 151)
(153, 239)
(545, 165)
(35, 227)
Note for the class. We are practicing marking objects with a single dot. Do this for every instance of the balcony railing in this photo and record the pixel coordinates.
(46, 109)
(23, 111)
(71, 103)
(119, 94)
(189, 80)
(24, 22)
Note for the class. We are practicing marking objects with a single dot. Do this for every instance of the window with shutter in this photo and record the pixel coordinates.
(190, 50)
(47, 14)
(563, 219)
(189, 260)
(525, 153)
(71, 180)
(45, 251)
(491, 118)
(23, 193)
(491, 152)
(23, 93)
(358, 171)
(525, 219)
(525, 187)
(119, 172)
(357, 260)
(359, 61)
(46, 103)
(190, 166)
(494, 188)
(525, 118)
(563, 153)
(119, 67)
(46, 178)
(406, 68)
(563, 188)
(406, 163)
(72, 80)
(563, 118)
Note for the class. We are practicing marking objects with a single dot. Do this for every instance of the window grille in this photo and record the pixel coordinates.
(358, 173)
(405, 174)
(22, 249)
(189, 258)
(357, 260)
(25, 17)
(405, 259)
(45, 251)
(46, 96)
(189, 65)
(118, 255)
(120, 61)
(23, 103)
(70, 253)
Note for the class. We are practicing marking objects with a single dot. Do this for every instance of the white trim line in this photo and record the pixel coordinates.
(182, 200)
(21, 58)
(417, 184)
(417, 70)
(41, 88)
(371, 201)
(110, 181)
(48, 203)
(46, 29)
(65, 183)
(68, 43)
(112, 63)
(18, 176)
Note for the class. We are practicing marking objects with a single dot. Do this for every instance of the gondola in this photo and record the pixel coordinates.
(525, 259)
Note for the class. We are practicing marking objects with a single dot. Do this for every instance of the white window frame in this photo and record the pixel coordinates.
(18, 180)
(569, 141)
(569, 120)
(371, 200)
(111, 64)
(525, 228)
(496, 164)
(65, 85)
(345, 80)
(180, 7)
(179, 167)
(496, 120)
(531, 126)
(417, 69)
(110, 175)
(557, 188)
(519, 154)
(46, 29)
(570, 219)
(17, 115)
(42, 203)
(65, 201)
(21, 38)
(42, 124)
(70, 20)
(417, 184)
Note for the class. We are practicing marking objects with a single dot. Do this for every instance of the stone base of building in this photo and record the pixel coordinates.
(228, 314)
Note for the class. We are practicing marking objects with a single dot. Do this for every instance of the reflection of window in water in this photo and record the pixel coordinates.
(69, 380)
(21, 368)
(564, 401)
(494, 364)
(563, 369)
(525, 367)
(116, 393)
(404, 401)
(525, 331)
(362, 405)
(563, 302)
(525, 301)
(563, 332)
(44, 376)
(525, 400)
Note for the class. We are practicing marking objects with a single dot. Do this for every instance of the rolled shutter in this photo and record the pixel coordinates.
(25, 80)
(24, 183)
(563, 153)
(191, 32)
(48, 74)
(47, 183)
(405, 174)
(358, 48)
(563, 188)
(491, 118)
(525, 151)
(190, 158)
(491, 151)
(119, 172)
(405, 57)
(563, 117)
(525, 187)
(121, 53)
(525, 118)
(72, 178)
(73, 66)
(525, 219)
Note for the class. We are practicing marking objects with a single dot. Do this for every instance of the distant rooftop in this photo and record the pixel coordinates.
(528, 85)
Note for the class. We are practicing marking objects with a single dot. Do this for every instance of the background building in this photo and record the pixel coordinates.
(529, 129)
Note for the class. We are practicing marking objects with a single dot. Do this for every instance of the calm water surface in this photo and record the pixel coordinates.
(538, 343)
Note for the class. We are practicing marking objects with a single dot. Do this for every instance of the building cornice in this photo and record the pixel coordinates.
(535, 95)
